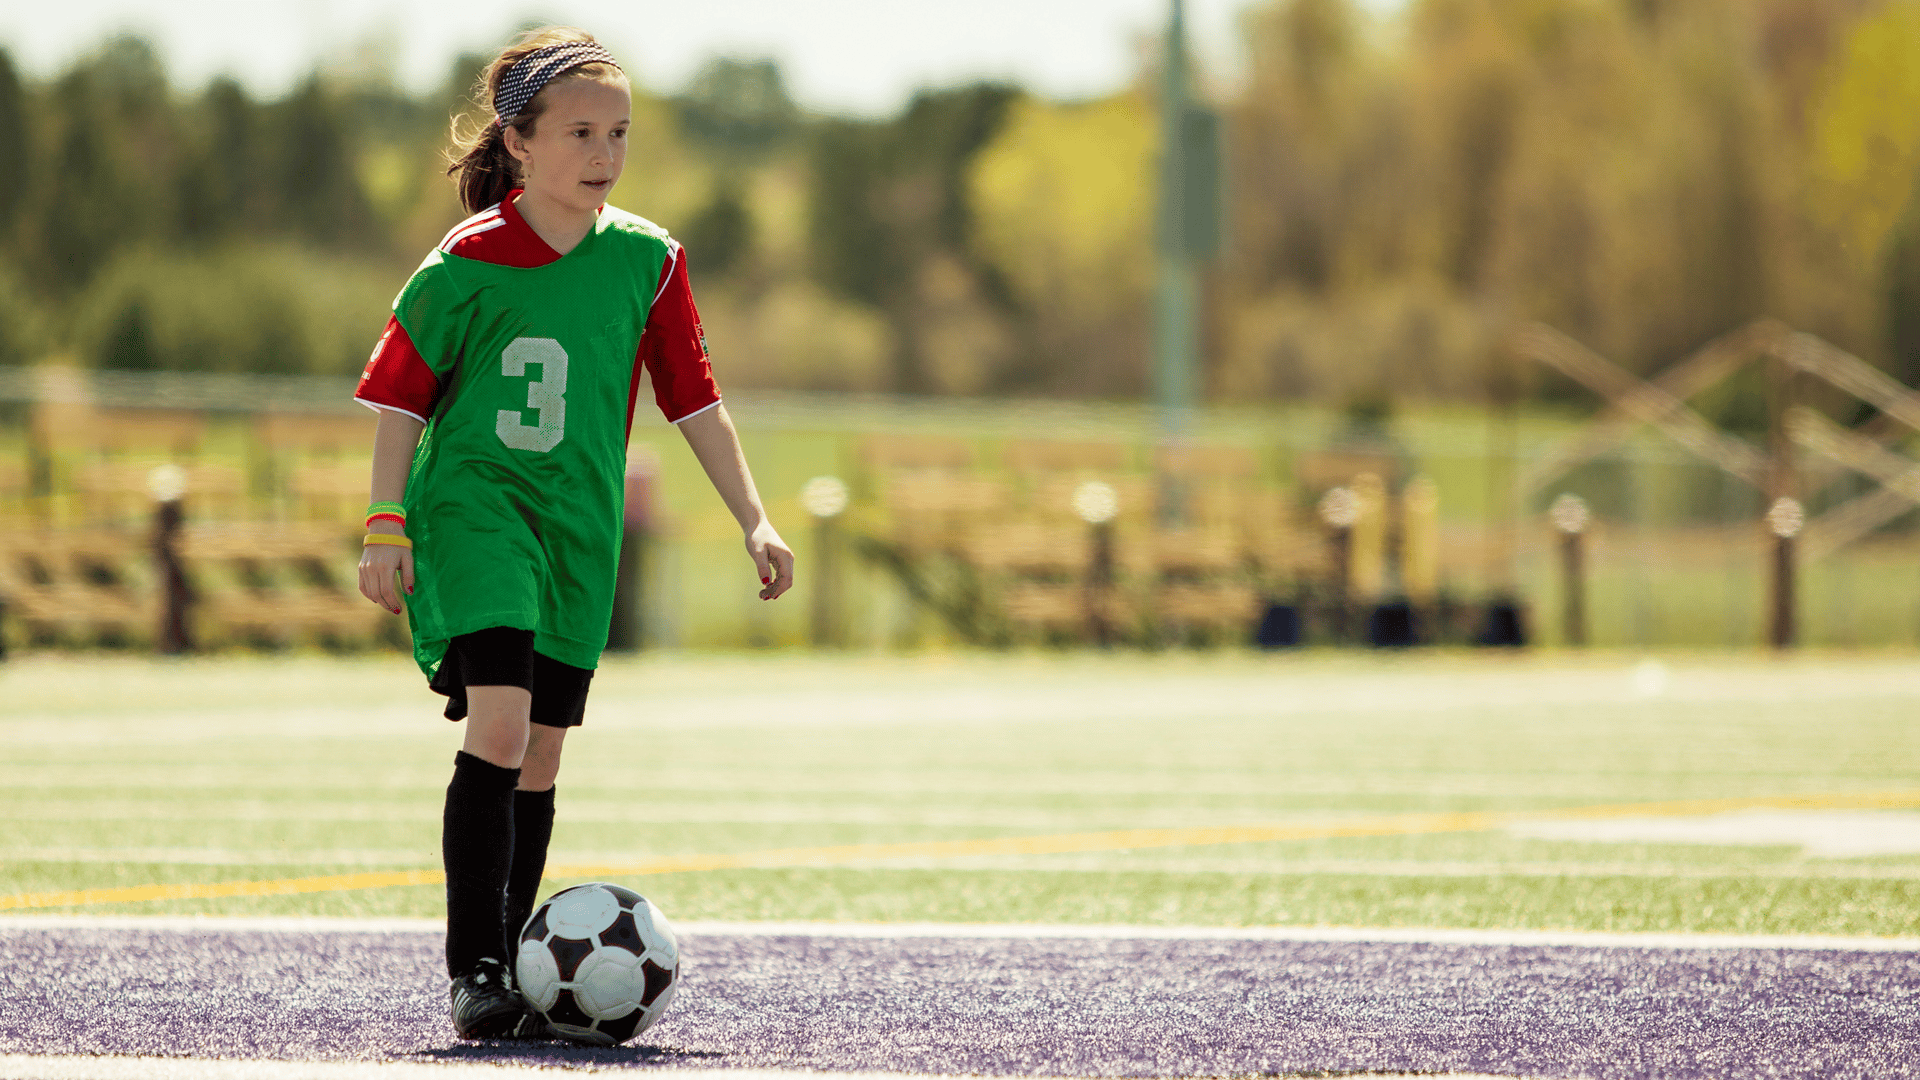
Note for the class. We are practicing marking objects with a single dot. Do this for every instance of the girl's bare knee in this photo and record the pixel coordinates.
(497, 724)
(541, 766)
(497, 745)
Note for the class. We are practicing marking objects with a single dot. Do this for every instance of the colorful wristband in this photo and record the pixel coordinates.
(386, 538)
(387, 515)
(387, 508)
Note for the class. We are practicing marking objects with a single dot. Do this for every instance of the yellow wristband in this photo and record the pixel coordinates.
(386, 538)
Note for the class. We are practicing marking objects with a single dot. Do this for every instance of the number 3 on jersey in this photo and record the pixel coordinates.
(544, 397)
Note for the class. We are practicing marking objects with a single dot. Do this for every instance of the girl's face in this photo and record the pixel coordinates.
(579, 144)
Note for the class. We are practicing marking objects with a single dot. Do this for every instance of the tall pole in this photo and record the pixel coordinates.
(1178, 287)
(1785, 516)
(168, 484)
(826, 582)
(825, 497)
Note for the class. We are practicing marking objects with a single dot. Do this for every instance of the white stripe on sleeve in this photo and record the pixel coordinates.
(695, 413)
(378, 407)
(666, 275)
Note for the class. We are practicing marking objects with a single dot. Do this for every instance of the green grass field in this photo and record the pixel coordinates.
(122, 772)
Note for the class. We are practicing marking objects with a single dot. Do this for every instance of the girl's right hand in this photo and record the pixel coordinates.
(378, 566)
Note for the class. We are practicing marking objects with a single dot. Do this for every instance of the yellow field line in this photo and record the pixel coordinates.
(1056, 844)
(282, 887)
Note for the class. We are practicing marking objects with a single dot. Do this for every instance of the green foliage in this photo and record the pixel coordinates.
(1643, 174)
(315, 182)
(739, 107)
(1866, 137)
(22, 330)
(213, 231)
(129, 164)
(1062, 202)
(852, 252)
(722, 232)
(251, 307)
(13, 120)
(221, 185)
(891, 223)
(109, 139)
(1866, 168)
(1900, 279)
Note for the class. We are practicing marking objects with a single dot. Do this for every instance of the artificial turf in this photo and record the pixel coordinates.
(123, 772)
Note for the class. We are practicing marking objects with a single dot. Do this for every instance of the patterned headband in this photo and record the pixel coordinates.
(535, 70)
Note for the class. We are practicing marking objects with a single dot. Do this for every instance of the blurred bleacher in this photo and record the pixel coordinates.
(969, 521)
(271, 542)
(995, 538)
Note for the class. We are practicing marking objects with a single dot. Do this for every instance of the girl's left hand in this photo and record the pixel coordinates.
(773, 559)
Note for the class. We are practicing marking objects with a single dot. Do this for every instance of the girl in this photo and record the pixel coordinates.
(517, 348)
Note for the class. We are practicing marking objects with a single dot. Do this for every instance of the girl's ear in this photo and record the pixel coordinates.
(516, 145)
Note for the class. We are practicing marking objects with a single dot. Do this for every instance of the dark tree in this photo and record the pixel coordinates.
(80, 222)
(316, 184)
(739, 107)
(853, 250)
(113, 154)
(1483, 142)
(1900, 294)
(222, 185)
(720, 236)
(888, 195)
(129, 346)
(13, 121)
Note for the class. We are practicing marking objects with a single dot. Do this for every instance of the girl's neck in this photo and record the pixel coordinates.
(562, 227)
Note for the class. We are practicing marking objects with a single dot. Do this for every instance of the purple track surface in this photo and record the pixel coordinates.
(1042, 1006)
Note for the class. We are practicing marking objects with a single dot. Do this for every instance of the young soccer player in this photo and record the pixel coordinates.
(517, 348)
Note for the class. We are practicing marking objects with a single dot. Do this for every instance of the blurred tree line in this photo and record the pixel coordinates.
(1644, 174)
(153, 229)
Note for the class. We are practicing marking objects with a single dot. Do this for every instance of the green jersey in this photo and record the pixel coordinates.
(514, 500)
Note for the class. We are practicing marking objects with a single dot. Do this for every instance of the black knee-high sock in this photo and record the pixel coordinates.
(532, 828)
(476, 844)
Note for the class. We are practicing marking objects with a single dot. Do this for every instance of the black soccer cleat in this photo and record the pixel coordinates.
(485, 1005)
(530, 1026)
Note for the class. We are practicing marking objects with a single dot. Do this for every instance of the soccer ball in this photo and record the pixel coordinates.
(598, 962)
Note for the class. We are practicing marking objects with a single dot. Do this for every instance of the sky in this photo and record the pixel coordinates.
(862, 57)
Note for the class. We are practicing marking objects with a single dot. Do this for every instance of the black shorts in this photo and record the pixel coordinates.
(503, 656)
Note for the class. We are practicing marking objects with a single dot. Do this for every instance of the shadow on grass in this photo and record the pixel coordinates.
(558, 1053)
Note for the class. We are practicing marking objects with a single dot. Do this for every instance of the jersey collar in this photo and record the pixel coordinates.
(521, 246)
(509, 241)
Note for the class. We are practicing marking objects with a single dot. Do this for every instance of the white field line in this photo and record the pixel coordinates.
(1820, 834)
(211, 856)
(25, 1067)
(272, 924)
(1586, 939)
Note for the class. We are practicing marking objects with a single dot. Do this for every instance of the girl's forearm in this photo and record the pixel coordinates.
(394, 441)
(717, 445)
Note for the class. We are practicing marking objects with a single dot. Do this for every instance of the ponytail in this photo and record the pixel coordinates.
(485, 171)
(482, 168)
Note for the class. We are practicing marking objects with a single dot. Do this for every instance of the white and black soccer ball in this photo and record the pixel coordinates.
(599, 962)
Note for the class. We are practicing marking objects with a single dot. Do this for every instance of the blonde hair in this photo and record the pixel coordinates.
(482, 167)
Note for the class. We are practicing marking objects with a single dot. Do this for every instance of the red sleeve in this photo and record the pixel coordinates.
(673, 350)
(397, 377)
